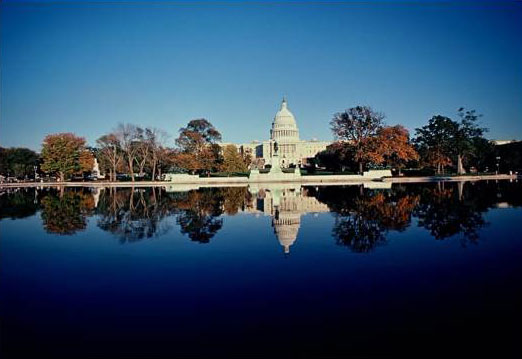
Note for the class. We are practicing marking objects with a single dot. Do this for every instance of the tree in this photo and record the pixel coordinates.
(358, 126)
(337, 156)
(197, 148)
(395, 147)
(86, 161)
(434, 142)
(63, 154)
(483, 154)
(156, 141)
(18, 162)
(128, 136)
(443, 139)
(198, 134)
(232, 160)
(142, 150)
(466, 134)
(110, 154)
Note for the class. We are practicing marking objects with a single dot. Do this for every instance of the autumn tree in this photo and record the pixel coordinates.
(233, 161)
(358, 128)
(64, 154)
(197, 148)
(86, 161)
(395, 147)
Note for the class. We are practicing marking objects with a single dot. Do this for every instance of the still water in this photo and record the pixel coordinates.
(330, 271)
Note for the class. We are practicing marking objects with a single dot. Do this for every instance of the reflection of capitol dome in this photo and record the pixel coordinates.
(284, 127)
(286, 227)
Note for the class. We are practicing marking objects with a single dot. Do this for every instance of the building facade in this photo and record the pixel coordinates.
(291, 149)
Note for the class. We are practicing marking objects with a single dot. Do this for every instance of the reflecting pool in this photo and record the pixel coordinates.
(370, 270)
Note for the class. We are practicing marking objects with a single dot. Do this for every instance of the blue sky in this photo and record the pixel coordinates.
(85, 67)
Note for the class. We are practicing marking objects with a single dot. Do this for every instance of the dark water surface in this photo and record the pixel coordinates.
(335, 271)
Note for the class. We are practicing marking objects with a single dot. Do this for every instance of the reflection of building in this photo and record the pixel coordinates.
(285, 206)
(284, 131)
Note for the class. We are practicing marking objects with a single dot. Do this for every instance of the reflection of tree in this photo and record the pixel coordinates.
(235, 198)
(18, 203)
(363, 217)
(198, 213)
(132, 214)
(67, 212)
(452, 208)
(357, 232)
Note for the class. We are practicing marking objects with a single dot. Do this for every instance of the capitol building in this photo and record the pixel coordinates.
(291, 149)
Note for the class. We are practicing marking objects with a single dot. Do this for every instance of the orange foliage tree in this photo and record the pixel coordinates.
(65, 154)
(358, 127)
(394, 146)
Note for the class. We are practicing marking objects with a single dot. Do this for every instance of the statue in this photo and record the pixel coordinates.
(276, 148)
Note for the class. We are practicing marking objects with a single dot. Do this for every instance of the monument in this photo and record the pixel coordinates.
(276, 173)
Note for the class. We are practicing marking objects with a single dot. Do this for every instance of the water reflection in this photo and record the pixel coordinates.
(363, 216)
(133, 215)
(66, 212)
(285, 205)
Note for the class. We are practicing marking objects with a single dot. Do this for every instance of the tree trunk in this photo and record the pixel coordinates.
(360, 168)
(113, 178)
(460, 167)
(62, 176)
(131, 169)
(153, 170)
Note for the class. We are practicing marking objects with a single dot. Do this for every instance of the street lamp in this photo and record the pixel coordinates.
(498, 164)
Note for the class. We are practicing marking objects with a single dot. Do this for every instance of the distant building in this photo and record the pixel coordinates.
(292, 150)
(502, 142)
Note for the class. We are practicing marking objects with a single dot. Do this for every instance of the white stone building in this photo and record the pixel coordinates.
(292, 150)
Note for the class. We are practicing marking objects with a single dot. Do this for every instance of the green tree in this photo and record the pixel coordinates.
(358, 127)
(337, 157)
(434, 142)
(63, 155)
(18, 162)
(467, 133)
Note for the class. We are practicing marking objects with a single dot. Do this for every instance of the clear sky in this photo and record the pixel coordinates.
(85, 67)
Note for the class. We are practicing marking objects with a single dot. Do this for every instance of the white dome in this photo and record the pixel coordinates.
(284, 127)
